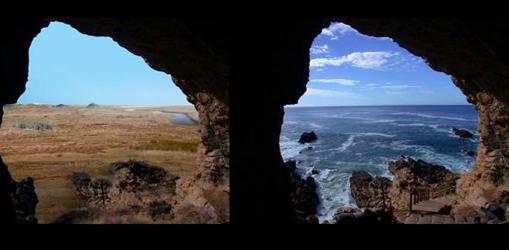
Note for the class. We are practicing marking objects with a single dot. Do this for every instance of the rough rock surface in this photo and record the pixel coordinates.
(348, 215)
(370, 192)
(410, 174)
(21, 201)
(463, 133)
(139, 193)
(308, 137)
(304, 196)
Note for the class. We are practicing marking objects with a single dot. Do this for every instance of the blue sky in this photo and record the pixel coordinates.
(349, 68)
(71, 68)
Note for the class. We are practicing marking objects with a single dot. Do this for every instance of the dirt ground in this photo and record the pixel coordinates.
(88, 139)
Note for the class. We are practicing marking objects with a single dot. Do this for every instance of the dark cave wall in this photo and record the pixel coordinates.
(267, 59)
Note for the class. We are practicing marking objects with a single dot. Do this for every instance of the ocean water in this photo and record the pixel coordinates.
(368, 138)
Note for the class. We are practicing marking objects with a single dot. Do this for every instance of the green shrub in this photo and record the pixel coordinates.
(92, 105)
(40, 126)
(59, 106)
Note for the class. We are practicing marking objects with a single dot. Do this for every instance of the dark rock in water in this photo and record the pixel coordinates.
(347, 215)
(308, 137)
(291, 165)
(463, 133)
(468, 152)
(370, 192)
(306, 149)
(303, 195)
(315, 172)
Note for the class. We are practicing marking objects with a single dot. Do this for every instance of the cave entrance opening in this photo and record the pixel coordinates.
(369, 101)
(88, 104)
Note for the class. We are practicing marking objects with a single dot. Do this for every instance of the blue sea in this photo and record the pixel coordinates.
(367, 138)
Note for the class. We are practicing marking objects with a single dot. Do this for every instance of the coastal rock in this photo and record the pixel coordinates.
(308, 137)
(470, 153)
(463, 133)
(304, 197)
(348, 215)
(410, 174)
(370, 192)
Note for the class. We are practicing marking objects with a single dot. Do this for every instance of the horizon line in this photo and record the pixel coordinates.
(383, 105)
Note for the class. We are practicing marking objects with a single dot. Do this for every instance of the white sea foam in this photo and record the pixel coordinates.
(375, 134)
(435, 127)
(314, 125)
(334, 192)
(290, 122)
(347, 143)
(432, 116)
(290, 148)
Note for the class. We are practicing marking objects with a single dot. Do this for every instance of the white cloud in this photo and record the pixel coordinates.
(365, 60)
(339, 29)
(326, 93)
(345, 82)
(400, 87)
(319, 49)
(391, 86)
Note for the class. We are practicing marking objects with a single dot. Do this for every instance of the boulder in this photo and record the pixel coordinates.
(308, 137)
(410, 174)
(348, 215)
(303, 194)
(370, 192)
(25, 201)
(137, 190)
(468, 152)
(463, 133)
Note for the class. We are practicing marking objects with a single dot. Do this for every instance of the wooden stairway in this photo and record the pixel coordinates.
(434, 205)
(432, 200)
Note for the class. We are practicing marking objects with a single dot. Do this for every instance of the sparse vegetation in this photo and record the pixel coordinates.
(83, 143)
(59, 106)
(92, 105)
(10, 106)
(168, 145)
(39, 126)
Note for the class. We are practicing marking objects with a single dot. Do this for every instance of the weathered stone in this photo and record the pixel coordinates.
(370, 192)
(463, 133)
(308, 137)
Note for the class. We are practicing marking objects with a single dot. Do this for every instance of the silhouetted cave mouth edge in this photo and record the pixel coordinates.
(437, 45)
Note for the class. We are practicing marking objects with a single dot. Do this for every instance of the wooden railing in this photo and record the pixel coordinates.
(423, 194)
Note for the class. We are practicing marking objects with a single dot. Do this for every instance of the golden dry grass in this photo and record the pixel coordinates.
(88, 140)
